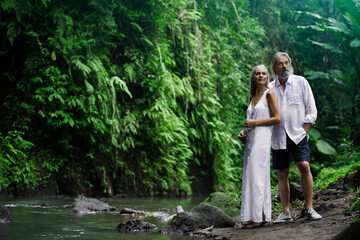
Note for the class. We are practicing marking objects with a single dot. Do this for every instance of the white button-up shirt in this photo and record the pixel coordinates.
(297, 107)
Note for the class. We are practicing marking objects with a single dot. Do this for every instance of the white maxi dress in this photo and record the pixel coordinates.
(256, 193)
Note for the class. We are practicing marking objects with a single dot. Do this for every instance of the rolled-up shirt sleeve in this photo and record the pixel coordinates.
(310, 106)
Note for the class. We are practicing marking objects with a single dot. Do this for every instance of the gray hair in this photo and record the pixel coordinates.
(252, 84)
(274, 60)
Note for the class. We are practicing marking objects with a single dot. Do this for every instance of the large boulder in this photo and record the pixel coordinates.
(5, 215)
(296, 192)
(224, 202)
(202, 216)
(351, 232)
(84, 205)
(352, 179)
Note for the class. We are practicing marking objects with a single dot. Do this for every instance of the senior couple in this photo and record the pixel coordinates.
(279, 115)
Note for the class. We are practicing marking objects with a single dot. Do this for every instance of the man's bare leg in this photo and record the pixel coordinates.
(306, 183)
(284, 189)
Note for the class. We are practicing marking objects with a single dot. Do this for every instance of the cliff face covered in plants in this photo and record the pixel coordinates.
(119, 96)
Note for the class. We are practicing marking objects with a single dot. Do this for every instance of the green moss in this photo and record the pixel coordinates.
(224, 202)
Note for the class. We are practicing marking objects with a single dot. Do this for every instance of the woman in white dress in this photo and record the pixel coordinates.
(262, 113)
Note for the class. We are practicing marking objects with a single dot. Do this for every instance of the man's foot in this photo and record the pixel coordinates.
(312, 214)
(283, 217)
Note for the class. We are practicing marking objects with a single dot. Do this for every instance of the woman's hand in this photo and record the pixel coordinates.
(242, 136)
(250, 123)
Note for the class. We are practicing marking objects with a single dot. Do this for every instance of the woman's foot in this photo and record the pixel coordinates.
(254, 225)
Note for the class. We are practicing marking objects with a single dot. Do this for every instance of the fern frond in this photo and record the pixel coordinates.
(116, 80)
(81, 66)
(89, 87)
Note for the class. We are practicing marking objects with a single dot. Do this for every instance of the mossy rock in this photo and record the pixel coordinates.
(224, 202)
(202, 216)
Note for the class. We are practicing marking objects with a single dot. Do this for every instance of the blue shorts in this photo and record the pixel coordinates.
(301, 152)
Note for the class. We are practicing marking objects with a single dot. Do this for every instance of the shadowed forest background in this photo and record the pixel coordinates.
(146, 97)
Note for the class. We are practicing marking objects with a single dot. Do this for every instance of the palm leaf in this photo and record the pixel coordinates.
(327, 46)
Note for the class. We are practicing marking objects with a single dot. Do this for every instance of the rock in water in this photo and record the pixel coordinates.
(179, 209)
(5, 215)
(84, 205)
(131, 211)
(135, 226)
(202, 216)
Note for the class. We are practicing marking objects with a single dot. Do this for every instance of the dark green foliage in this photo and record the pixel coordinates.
(127, 96)
(344, 44)
(15, 168)
(346, 161)
(147, 97)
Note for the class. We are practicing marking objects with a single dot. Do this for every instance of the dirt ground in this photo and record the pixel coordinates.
(332, 204)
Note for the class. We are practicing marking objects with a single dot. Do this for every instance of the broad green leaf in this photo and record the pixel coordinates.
(311, 14)
(338, 26)
(316, 74)
(325, 147)
(353, 11)
(327, 46)
(314, 134)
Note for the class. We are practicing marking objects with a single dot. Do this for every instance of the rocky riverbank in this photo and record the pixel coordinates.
(333, 206)
(332, 203)
(218, 216)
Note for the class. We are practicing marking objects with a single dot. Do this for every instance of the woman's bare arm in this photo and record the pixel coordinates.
(275, 113)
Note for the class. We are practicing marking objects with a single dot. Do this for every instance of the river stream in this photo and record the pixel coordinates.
(47, 218)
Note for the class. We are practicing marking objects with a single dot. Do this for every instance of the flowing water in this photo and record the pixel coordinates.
(46, 218)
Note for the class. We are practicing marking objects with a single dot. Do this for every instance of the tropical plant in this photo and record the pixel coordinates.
(344, 78)
(322, 146)
(16, 166)
(347, 160)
